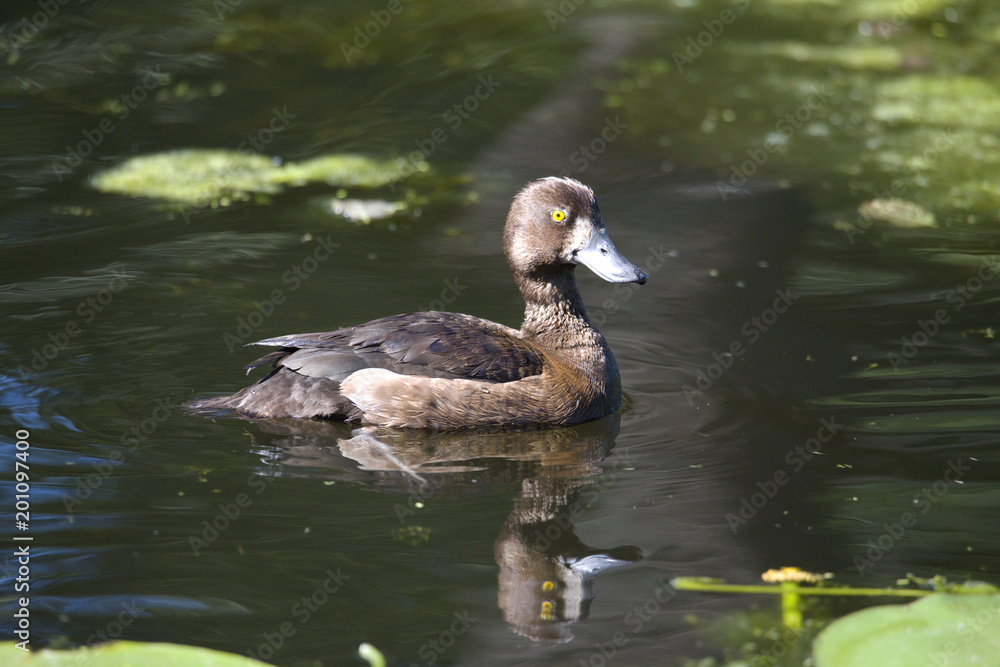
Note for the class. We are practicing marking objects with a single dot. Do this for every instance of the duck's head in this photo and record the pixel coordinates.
(555, 224)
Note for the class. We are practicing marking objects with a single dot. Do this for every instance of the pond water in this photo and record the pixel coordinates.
(805, 386)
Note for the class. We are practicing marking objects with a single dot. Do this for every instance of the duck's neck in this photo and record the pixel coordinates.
(554, 315)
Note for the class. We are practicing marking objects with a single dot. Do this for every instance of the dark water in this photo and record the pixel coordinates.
(795, 393)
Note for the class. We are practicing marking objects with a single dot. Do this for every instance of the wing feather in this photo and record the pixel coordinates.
(432, 344)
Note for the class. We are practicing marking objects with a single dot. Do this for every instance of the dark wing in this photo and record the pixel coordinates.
(431, 344)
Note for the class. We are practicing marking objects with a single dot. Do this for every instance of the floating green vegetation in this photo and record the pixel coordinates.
(126, 654)
(788, 583)
(951, 620)
(415, 536)
(938, 100)
(212, 178)
(849, 12)
(876, 99)
(876, 57)
(942, 629)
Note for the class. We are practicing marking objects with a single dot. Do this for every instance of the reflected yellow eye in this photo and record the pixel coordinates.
(558, 215)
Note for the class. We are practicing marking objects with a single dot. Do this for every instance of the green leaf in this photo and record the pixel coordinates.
(125, 654)
(941, 629)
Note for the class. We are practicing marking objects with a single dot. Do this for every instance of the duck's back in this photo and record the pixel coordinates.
(434, 344)
(310, 369)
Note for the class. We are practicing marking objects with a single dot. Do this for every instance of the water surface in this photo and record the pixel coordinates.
(799, 379)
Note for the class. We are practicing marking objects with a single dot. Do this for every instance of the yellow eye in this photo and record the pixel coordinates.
(558, 215)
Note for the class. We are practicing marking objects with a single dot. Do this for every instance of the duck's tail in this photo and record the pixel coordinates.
(283, 393)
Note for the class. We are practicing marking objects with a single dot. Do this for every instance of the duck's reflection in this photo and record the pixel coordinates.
(545, 570)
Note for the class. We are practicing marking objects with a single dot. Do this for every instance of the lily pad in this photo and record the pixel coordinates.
(126, 654)
(212, 178)
(957, 630)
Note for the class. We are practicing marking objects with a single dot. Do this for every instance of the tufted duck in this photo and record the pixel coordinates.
(445, 370)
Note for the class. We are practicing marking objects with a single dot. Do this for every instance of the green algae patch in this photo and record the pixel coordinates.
(879, 100)
(347, 171)
(213, 178)
(895, 12)
(869, 57)
(191, 177)
(963, 101)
